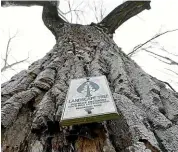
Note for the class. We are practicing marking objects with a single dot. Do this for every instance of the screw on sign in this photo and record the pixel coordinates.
(88, 110)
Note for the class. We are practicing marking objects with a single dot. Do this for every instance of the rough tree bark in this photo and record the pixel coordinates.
(33, 99)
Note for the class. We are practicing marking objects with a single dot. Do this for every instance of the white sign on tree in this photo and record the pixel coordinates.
(88, 100)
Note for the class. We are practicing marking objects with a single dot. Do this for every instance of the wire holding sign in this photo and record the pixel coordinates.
(88, 100)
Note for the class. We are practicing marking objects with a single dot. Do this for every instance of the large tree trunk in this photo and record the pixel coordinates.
(32, 101)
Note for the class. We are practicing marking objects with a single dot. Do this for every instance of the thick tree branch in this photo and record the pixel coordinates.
(122, 13)
(51, 18)
(50, 12)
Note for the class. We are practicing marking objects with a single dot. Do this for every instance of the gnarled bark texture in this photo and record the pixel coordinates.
(32, 101)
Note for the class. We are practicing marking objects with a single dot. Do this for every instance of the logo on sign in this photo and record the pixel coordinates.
(88, 88)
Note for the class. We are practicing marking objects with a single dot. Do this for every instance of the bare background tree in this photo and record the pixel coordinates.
(7, 64)
(162, 54)
(140, 46)
(98, 10)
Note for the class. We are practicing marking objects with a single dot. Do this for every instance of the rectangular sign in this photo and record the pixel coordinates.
(88, 100)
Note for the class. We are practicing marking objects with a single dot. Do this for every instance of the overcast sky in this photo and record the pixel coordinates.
(34, 38)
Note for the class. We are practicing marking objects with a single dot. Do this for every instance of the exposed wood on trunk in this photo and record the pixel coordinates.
(91, 141)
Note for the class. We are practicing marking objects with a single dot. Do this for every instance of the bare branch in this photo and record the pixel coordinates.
(156, 36)
(70, 10)
(8, 66)
(172, 71)
(163, 49)
(95, 11)
(61, 14)
(169, 61)
(165, 83)
(8, 50)
(102, 11)
(76, 11)
(122, 13)
(169, 85)
(159, 59)
(98, 11)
